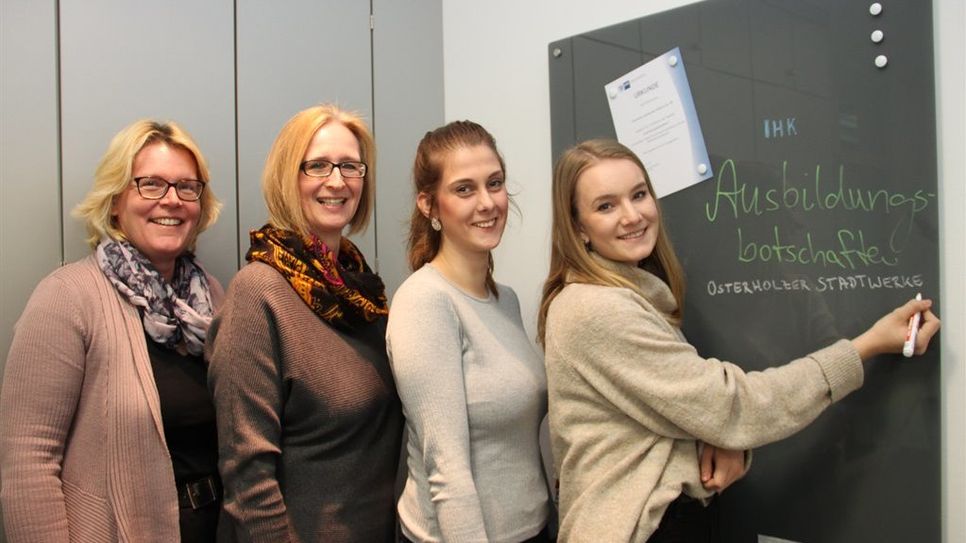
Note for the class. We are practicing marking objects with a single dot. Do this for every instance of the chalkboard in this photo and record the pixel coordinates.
(821, 215)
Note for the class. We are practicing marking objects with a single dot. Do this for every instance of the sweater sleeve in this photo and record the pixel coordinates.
(425, 350)
(637, 362)
(246, 384)
(41, 389)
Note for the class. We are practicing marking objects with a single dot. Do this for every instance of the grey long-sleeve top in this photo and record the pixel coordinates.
(474, 394)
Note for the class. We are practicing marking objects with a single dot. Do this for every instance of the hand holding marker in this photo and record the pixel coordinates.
(906, 329)
(909, 347)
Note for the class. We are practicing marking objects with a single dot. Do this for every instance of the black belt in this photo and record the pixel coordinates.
(199, 493)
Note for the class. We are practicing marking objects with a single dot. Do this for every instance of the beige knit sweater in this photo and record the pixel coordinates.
(630, 398)
(82, 446)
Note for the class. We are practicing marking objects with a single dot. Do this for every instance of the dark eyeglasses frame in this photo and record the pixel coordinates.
(137, 183)
(363, 168)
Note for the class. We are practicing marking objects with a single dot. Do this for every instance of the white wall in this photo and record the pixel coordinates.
(496, 73)
(949, 19)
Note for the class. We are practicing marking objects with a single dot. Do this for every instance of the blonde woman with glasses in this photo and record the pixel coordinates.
(107, 432)
(309, 422)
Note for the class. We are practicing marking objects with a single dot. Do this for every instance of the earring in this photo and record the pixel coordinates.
(434, 222)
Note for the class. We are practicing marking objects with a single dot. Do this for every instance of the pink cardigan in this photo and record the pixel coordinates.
(82, 448)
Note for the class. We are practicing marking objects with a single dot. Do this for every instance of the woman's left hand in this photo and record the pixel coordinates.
(720, 467)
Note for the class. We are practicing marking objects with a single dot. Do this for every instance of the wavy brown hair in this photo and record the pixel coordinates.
(431, 155)
(569, 258)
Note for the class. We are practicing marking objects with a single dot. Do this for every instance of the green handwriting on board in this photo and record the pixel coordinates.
(822, 196)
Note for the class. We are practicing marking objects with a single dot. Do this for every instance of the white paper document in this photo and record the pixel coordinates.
(654, 116)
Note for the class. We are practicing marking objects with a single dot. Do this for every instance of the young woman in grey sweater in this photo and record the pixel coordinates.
(629, 398)
(473, 387)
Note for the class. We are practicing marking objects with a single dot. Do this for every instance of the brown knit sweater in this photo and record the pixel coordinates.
(309, 423)
(629, 398)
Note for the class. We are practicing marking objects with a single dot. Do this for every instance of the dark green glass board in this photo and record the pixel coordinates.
(821, 215)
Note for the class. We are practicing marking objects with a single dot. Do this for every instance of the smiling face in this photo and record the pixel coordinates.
(471, 200)
(329, 203)
(616, 213)
(160, 229)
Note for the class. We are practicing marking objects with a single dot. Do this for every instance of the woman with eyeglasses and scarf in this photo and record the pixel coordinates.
(308, 417)
(107, 432)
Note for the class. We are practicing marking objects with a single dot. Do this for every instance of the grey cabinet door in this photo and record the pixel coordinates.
(30, 217)
(292, 55)
(174, 60)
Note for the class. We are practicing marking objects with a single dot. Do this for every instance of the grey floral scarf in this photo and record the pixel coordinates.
(172, 313)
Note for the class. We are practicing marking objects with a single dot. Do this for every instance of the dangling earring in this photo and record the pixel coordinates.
(434, 222)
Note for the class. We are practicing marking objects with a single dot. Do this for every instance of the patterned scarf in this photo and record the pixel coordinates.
(344, 293)
(172, 313)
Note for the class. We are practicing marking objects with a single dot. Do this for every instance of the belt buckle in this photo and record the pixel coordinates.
(195, 492)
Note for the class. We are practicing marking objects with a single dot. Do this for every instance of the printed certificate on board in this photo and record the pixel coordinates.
(654, 115)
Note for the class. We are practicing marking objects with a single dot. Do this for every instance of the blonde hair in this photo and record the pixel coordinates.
(280, 179)
(569, 257)
(114, 175)
(431, 156)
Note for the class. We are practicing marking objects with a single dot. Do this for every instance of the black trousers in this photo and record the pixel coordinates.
(200, 525)
(686, 520)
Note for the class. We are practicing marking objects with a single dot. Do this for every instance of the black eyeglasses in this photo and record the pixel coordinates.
(323, 168)
(155, 188)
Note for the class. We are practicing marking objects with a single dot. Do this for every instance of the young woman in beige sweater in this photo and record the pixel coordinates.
(630, 399)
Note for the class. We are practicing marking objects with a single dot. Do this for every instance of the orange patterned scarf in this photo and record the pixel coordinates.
(346, 294)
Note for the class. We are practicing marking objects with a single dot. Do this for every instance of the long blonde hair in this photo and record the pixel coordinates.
(114, 175)
(280, 179)
(569, 257)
